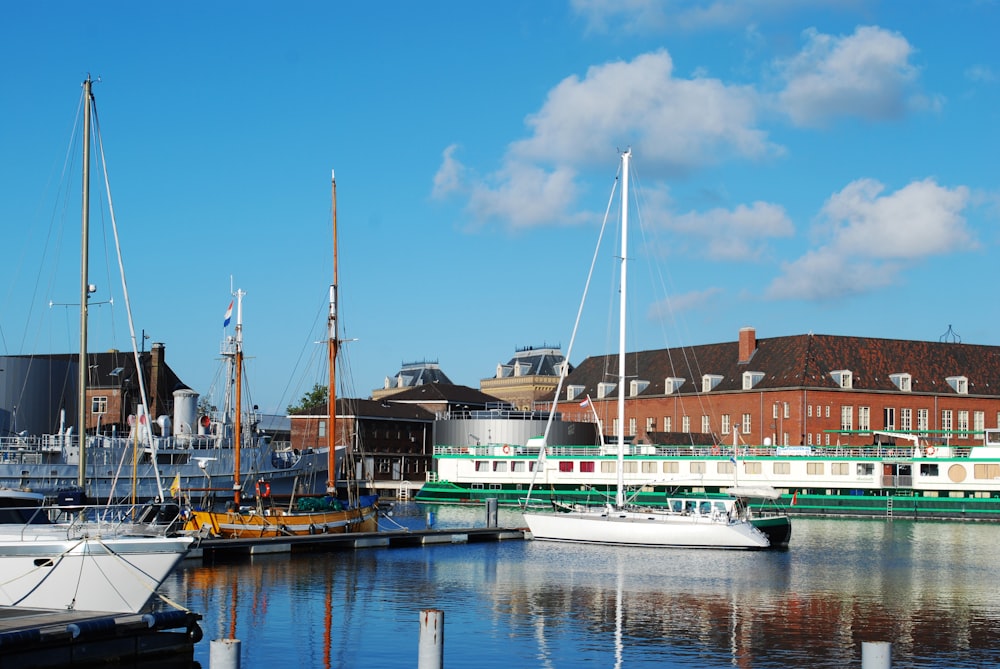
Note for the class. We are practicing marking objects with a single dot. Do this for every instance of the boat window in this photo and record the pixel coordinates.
(676, 505)
(689, 507)
(630, 467)
(720, 506)
(517, 466)
(697, 467)
(587, 466)
(566, 465)
(866, 468)
(482, 465)
(609, 467)
(815, 468)
(928, 469)
(705, 508)
(500, 466)
(672, 467)
(840, 468)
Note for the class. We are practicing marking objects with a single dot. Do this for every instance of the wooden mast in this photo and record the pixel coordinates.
(331, 354)
(238, 400)
(84, 291)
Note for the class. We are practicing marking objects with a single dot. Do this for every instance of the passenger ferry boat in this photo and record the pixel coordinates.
(898, 476)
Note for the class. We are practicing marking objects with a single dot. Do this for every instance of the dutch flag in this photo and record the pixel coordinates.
(229, 315)
(585, 403)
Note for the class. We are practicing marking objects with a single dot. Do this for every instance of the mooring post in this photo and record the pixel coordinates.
(431, 652)
(491, 512)
(224, 654)
(876, 655)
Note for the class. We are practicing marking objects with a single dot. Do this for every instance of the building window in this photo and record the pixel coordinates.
(889, 418)
(963, 424)
(864, 418)
(809, 411)
(844, 378)
(672, 384)
(906, 419)
(709, 382)
(604, 389)
(978, 421)
(667, 424)
(685, 423)
(959, 384)
(846, 418)
(727, 425)
(902, 381)
(827, 411)
(946, 424)
(99, 404)
(746, 424)
(705, 425)
(751, 379)
(631, 426)
(321, 428)
(923, 419)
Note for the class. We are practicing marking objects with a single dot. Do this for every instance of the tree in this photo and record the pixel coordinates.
(313, 402)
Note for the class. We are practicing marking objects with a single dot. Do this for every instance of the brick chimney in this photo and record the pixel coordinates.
(748, 343)
(156, 373)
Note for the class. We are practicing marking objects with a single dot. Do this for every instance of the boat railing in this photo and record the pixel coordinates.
(880, 452)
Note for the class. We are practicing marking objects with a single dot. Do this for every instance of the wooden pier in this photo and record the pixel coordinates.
(209, 550)
(48, 639)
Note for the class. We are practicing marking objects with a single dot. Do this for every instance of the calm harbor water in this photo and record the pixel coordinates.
(929, 588)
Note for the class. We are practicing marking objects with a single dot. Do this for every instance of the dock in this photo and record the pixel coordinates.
(49, 639)
(210, 550)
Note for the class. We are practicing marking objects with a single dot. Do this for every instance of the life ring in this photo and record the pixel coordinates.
(263, 489)
(931, 450)
(506, 449)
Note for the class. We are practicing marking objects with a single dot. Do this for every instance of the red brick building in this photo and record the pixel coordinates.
(801, 389)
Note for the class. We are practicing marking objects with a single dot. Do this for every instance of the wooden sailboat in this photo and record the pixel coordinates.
(694, 524)
(311, 515)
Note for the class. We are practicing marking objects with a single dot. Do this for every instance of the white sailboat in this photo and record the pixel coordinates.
(709, 523)
(98, 559)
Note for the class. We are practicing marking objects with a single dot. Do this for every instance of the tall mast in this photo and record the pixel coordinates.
(238, 400)
(84, 290)
(620, 495)
(331, 354)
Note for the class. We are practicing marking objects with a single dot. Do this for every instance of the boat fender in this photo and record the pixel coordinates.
(506, 449)
(263, 489)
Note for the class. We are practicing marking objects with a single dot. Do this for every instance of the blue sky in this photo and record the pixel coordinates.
(824, 167)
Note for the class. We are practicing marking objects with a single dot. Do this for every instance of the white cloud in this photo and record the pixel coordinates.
(670, 307)
(866, 74)
(449, 176)
(525, 195)
(873, 238)
(737, 234)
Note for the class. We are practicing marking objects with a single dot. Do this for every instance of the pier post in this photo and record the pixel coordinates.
(431, 649)
(876, 655)
(491, 512)
(224, 654)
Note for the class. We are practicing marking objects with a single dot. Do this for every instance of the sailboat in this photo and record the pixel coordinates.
(708, 523)
(98, 559)
(310, 515)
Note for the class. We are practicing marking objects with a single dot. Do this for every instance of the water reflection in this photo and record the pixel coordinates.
(926, 587)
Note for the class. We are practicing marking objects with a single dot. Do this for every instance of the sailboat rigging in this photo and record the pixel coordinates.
(690, 523)
(311, 515)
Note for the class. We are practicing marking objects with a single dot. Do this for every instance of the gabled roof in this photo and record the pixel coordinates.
(804, 361)
(444, 393)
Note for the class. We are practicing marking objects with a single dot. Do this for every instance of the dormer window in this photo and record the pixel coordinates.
(960, 384)
(572, 392)
(636, 386)
(672, 384)
(709, 382)
(902, 381)
(751, 379)
(844, 378)
(604, 389)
